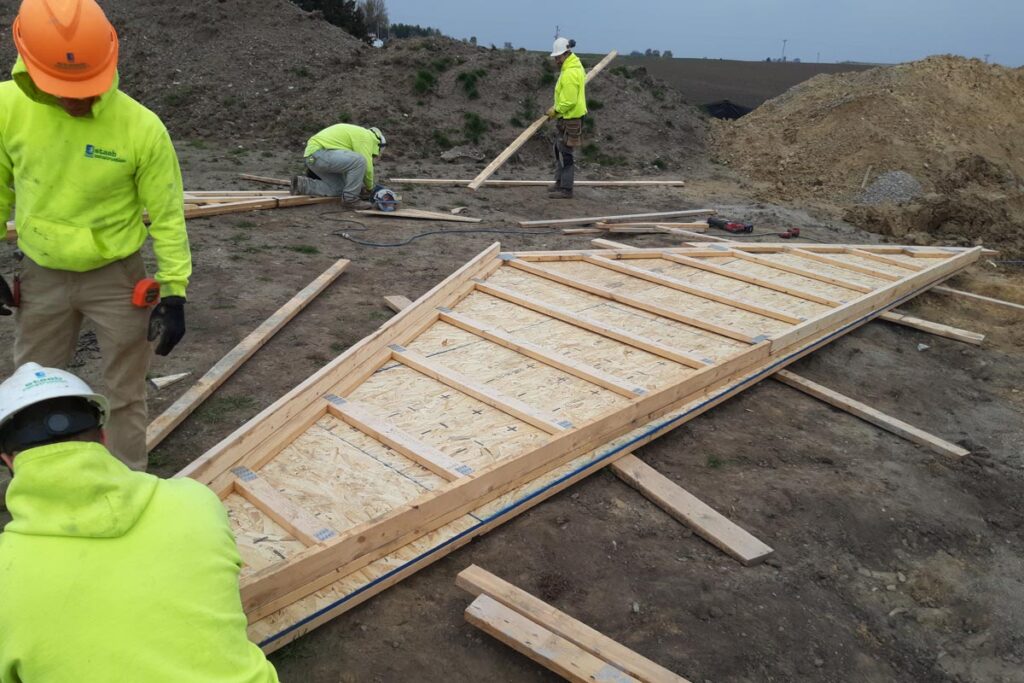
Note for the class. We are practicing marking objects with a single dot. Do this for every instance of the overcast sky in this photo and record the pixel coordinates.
(863, 30)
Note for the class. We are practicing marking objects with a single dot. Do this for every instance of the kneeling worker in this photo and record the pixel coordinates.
(108, 574)
(340, 159)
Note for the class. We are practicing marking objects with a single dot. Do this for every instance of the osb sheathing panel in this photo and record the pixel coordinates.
(344, 478)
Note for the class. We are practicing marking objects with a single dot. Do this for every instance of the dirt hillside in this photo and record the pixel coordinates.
(265, 69)
(951, 123)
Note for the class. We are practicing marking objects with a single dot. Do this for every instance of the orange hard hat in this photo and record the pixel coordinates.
(69, 46)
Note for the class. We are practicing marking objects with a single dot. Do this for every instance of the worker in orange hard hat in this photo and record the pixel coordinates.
(83, 161)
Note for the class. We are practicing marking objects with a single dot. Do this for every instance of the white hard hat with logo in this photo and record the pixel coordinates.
(562, 46)
(32, 383)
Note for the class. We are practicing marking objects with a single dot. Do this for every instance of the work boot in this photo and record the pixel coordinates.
(294, 188)
(356, 204)
(300, 185)
(559, 193)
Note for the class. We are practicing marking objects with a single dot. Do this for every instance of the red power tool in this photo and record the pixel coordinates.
(734, 227)
(790, 233)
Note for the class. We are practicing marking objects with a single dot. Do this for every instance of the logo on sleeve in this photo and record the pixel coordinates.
(94, 152)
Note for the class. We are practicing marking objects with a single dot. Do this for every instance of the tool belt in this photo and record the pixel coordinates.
(571, 131)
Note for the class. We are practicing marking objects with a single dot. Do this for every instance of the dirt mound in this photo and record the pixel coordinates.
(265, 69)
(951, 123)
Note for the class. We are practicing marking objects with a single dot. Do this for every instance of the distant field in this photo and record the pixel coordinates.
(748, 83)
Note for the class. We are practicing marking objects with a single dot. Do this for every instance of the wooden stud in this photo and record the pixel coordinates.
(416, 214)
(363, 419)
(559, 222)
(479, 582)
(597, 327)
(978, 297)
(879, 258)
(537, 183)
(845, 265)
(688, 509)
(264, 179)
(745, 336)
(937, 329)
(702, 292)
(456, 380)
(163, 425)
(529, 638)
(525, 136)
(296, 521)
(567, 365)
(397, 302)
(869, 414)
(803, 272)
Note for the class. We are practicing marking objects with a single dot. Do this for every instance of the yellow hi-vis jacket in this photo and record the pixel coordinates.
(570, 91)
(81, 183)
(354, 138)
(114, 576)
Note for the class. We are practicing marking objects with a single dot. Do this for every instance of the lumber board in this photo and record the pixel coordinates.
(846, 265)
(688, 509)
(264, 179)
(869, 414)
(803, 272)
(173, 416)
(529, 638)
(417, 214)
(978, 297)
(397, 302)
(531, 130)
(479, 582)
(449, 182)
(255, 204)
(626, 218)
(271, 502)
(930, 327)
(697, 226)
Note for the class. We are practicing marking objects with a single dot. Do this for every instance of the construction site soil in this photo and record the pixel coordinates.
(891, 563)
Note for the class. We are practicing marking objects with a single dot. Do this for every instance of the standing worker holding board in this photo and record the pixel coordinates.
(82, 160)
(568, 111)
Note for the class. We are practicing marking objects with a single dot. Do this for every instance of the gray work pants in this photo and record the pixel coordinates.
(341, 173)
(568, 135)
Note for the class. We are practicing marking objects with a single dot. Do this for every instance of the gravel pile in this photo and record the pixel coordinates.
(894, 187)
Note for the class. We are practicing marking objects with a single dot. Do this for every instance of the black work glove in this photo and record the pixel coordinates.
(167, 321)
(6, 297)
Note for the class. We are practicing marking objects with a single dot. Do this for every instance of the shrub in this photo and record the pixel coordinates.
(425, 82)
(474, 127)
(468, 80)
(442, 140)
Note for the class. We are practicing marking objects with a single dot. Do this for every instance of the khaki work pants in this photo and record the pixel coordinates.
(53, 304)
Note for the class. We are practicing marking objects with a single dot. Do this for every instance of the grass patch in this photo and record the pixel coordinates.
(594, 105)
(468, 80)
(442, 140)
(442, 65)
(714, 462)
(219, 408)
(474, 126)
(591, 149)
(338, 347)
(425, 82)
(303, 248)
(344, 117)
(659, 164)
(245, 224)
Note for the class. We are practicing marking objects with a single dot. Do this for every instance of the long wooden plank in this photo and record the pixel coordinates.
(163, 425)
(481, 392)
(525, 136)
(597, 327)
(265, 180)
(529, 638)
(881, 258)
(688, 509)
(979, 297)
(702, 292)
(937, 329)
(630, 217)
(365, 421)
(479, 582)
(297, 521)
(684, 409)
(746, 336)
(869, 414)
(536, 183)
(417, 214)
(696, 226)
(531, 350)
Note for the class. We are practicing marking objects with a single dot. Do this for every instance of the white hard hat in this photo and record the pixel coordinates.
(32, 383)
(380, 136)
(560, 47)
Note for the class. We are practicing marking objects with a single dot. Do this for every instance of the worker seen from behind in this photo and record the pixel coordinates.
(568, 111)
(340, 163)
(107, 574)
(79, 162)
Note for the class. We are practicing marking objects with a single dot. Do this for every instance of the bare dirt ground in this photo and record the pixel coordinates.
(892, 563)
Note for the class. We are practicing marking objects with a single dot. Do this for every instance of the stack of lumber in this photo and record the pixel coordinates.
(509, 381)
